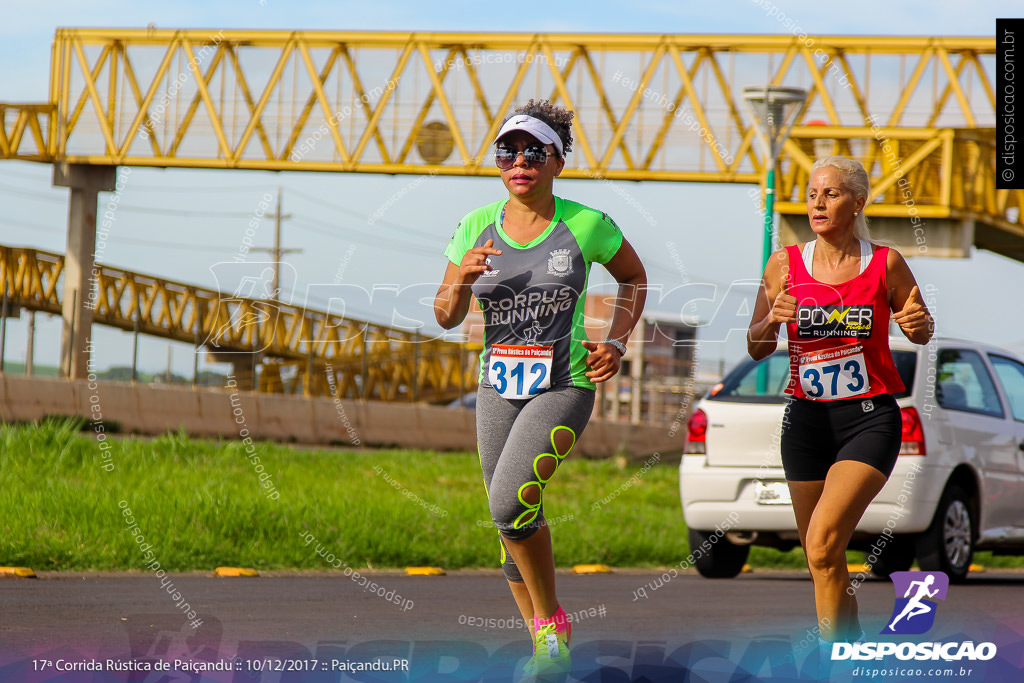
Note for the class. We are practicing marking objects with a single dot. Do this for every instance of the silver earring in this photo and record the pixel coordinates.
(854, 213)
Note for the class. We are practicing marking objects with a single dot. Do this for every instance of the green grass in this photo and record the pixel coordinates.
(199, 503)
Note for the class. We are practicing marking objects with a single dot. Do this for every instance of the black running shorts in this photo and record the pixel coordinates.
(818, 434)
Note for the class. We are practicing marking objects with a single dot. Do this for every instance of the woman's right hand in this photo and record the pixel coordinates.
(771, 313)
(474, 263)
(784, 308)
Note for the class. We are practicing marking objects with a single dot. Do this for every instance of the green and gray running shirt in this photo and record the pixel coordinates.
(534, 295)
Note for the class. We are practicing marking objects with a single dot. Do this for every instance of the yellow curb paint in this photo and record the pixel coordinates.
(592, 569)
(861, 568)
(20, 572)
(235, 571)
(746, 569)
(976, 568)
(424, 571)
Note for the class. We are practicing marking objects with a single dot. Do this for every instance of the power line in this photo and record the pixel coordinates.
(153, 188)
(169, 245)
(30, 194)
(334, 227)
(176, 212)
(18, 175)
(361, 216)
(305, 224)
(128, 240)
(32, 226)
(321, 228)
(429, 242)
(233, 214)
(168, 188)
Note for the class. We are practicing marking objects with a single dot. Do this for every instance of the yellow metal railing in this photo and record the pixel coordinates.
(946, 172)
(364, 359)
(25, 131)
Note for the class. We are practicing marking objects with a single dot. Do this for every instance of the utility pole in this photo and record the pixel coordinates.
(30, 352)
(277, 252)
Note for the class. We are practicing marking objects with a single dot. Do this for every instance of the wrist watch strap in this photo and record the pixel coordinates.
(619, 346)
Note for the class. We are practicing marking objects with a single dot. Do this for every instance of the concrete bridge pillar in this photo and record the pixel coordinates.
(85, 182)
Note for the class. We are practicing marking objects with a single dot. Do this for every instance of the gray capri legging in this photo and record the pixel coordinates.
(521, 443)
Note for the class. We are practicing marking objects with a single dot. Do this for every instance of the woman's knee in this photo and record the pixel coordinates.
(825, 551)
(503, 514)
(514, 520)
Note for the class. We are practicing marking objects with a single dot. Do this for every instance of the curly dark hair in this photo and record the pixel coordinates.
(559, 118)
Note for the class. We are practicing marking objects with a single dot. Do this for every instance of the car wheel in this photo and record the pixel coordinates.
(948, 544)
(896, 555)
(715, 557)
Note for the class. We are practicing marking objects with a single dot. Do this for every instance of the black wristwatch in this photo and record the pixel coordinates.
(619, 346)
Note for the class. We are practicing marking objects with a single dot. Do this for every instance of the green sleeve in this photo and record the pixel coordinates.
(459, 244)
(469, 229)
(596, 233)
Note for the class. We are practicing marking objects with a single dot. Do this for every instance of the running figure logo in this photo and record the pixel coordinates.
(914, 613)
(532, 334)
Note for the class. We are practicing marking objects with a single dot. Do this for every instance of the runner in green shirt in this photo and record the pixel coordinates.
(527, 260)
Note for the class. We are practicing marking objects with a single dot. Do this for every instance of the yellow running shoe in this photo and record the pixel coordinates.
(551, 652)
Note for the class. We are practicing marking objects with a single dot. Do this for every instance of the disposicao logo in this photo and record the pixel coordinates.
(913, 614)
(916, 595)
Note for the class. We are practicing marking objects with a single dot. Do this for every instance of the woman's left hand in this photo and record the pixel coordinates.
(602, 362)
(914, 318)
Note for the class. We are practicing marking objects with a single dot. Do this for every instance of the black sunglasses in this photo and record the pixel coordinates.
(505, 157)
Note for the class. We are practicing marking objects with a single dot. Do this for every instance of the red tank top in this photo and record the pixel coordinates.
(839, 346)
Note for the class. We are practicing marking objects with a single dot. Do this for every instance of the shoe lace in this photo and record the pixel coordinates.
(546, 640)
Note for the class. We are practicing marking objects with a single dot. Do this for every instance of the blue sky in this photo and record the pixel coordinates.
(708, 232)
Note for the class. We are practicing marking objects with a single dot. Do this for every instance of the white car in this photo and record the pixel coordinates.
(958, 485)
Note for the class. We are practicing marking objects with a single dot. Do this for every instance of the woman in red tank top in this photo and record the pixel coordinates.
(841, 432)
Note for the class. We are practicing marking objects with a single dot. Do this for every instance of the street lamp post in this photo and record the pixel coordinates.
(774, 109)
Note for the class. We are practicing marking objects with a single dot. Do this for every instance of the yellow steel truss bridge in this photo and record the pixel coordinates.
(302, 350)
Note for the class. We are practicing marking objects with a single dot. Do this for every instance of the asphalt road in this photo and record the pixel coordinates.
(460, 626)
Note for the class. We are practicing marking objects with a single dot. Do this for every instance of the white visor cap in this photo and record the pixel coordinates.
(534, 127)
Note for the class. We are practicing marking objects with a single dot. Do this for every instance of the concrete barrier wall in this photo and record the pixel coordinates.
(154, 409)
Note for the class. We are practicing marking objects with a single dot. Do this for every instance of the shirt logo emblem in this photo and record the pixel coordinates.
(492, 272)
(560, 263)
(819, 322)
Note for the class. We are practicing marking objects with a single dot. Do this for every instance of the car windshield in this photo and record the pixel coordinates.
(764, 381)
